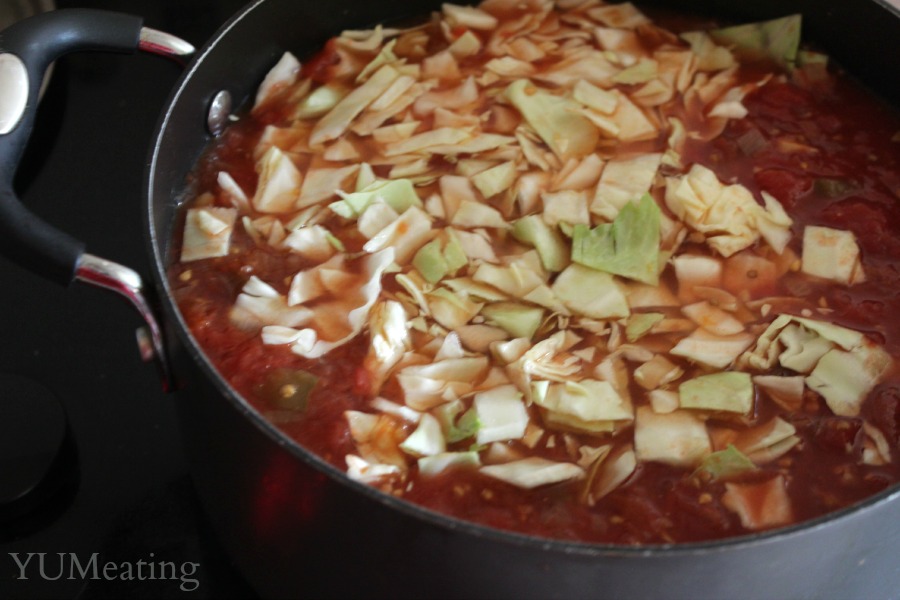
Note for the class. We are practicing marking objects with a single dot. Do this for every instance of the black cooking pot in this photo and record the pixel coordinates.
(298, 527)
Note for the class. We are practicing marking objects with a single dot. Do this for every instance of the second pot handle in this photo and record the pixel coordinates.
(27, 49)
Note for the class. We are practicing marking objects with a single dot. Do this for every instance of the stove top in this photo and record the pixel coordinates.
(118, 491)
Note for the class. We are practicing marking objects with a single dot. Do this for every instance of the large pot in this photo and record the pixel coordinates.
(295, 525)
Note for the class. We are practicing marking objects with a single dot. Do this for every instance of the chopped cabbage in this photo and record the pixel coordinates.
(362, 470)
(612, 472)
(469, 16)
(376, 216)
(629, 246)
(831, 254)
(207, 233)
(630, 122)
(385, 56)
(430, 385)
(713, 319)
(640, 324)
(510, 67)
(767, 442)
(594, 98)
(338, 119)
(624, 180)
(373, 267)
(657, 372)
(533, 472)
(404, 236)
(730, 391)
(389, 340)
(554, 118)
(465, 45)
(519, 320)
(710, 56)
(727, 463)
(585, 65)
(501, 413)
(450, 310)
(777, 40)
(279, 183)
(260, 304)
(439, 258)
(842, 365)
(471, 214)
(727, 215)
(438, 463)
(845, 378)
(546, 359)
(579, 174)
(678, 438)
(712, 350)
(786, 391)
(591, 293)
(311, 242)
(465, 427)
(547, 240)
(760, 505)
(399, 194)
(427, 140)
(319, 101)
(565, 207)
(693, 271)
(514, 280)
(643, 71)
(233, 191)
(280, 77)
(398, 410)
(494, 180)
(587, 405)
(454, 98)
(426, 440)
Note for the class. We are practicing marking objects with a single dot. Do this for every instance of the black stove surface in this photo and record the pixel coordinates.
(120, 494)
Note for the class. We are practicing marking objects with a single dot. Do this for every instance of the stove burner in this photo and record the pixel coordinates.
(38, 460)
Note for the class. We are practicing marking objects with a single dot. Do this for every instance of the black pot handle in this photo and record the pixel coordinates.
(27, 49)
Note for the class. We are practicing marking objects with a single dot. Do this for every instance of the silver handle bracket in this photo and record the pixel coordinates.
(165, 44)
(125, 282)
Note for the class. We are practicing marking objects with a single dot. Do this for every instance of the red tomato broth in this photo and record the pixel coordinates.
(846, 128)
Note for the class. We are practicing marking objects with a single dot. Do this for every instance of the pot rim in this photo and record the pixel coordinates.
(569, 547)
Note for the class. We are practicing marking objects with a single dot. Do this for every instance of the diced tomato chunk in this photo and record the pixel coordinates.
(837, 434)
(882, 410)
(458, 31)
(786, 186)
(362, 381)
(318, 67)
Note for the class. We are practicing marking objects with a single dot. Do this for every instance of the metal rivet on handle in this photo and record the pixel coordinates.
(219, 111)
(13, 91)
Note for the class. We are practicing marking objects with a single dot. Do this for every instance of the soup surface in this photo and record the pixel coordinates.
(553, 268)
